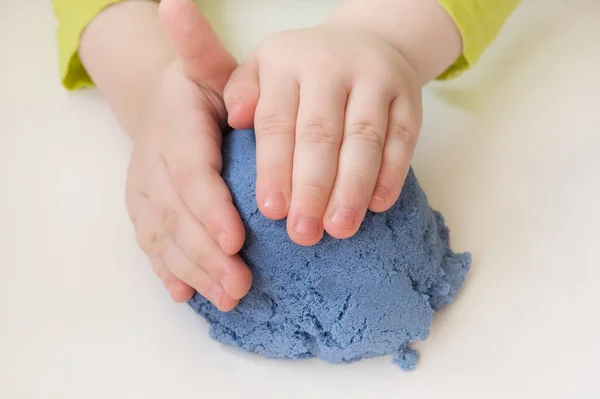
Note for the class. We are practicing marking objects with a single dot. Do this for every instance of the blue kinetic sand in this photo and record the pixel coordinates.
(340, 300)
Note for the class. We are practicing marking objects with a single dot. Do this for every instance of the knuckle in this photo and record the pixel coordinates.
(273, 175)
(366, 132)
(319, 132)
(153, 243)
(266, 42)
(383, 65)
(357, 185)
(405, 135)
(272, 125)
(170, 220)
(182, 177)
(314, 190)
(275, 170)
(271, 43)
(391, 171)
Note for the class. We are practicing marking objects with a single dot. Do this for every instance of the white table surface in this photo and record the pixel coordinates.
(510, 153)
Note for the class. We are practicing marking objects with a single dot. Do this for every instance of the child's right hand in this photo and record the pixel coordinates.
(181, 208)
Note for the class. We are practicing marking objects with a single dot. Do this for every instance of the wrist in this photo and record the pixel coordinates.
(419, 29)
(126, 53)
(145, 102)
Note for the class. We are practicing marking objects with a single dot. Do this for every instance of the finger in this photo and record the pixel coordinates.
(241, 95)
(194, 276)
(360, 159)
(149, 238)
(194, 164)
(211, 204)
(198, 47)
(319, 133)
(180, 292)
(402, 135)
(275, 122)
(193, 239)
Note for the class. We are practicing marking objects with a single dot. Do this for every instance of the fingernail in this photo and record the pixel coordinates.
(307, 227)
(216, 294)
(380, 194)
(222, 240)
(275, 201)
(343, 217)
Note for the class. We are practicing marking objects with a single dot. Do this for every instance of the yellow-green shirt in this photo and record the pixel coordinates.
(479, 22)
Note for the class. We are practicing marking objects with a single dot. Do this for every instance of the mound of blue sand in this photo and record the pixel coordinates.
(340, 300)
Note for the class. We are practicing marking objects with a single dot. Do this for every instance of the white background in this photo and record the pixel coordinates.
(510, 153)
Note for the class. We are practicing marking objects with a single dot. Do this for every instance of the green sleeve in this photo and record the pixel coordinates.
(73, 17)
(479, 22)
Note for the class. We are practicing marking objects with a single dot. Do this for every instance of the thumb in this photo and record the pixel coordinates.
(201, 55)
(241, 95)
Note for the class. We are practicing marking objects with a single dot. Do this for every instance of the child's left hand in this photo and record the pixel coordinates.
(336, 124)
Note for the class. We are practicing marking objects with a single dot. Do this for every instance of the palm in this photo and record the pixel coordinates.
(185, 218)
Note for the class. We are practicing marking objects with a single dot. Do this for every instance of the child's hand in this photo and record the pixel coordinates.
(181, 208)
(336, 124)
